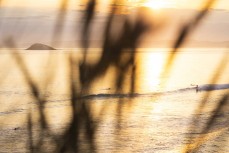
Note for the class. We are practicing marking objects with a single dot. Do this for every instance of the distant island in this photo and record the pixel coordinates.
(38, 46)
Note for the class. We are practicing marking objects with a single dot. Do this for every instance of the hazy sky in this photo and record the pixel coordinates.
(220, 4)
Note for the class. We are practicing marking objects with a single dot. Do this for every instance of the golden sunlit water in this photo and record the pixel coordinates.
(156, 121)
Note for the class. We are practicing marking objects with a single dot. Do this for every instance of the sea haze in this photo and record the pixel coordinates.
(28, 26)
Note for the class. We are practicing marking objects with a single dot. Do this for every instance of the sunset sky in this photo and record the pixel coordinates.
(21, 17)
(157, 4)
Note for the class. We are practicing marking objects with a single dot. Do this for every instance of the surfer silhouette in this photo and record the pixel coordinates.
(197, 87)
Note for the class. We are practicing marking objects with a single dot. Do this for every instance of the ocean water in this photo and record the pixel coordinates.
(169, 110)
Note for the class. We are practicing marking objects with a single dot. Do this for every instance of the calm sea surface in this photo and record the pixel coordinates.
(161, 117)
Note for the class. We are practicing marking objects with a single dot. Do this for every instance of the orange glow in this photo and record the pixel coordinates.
(158, 4)
(36, 4)
(153, 4)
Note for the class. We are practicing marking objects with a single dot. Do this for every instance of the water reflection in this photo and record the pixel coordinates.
(147, 121)
(149, 72)
(75, 103)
